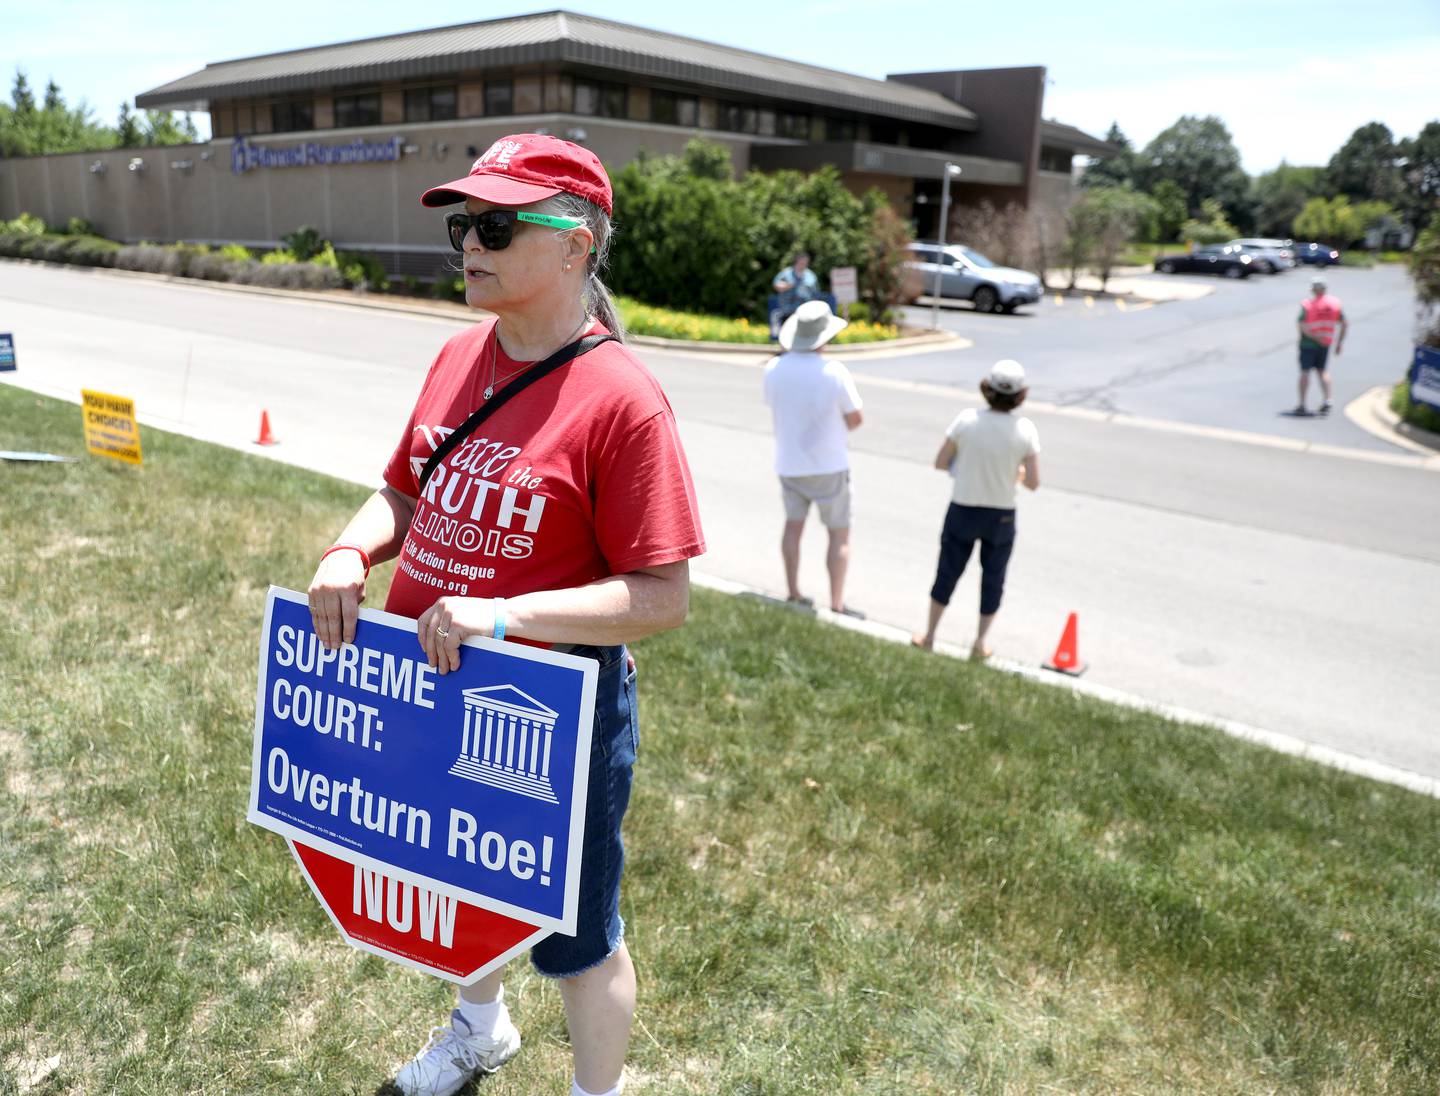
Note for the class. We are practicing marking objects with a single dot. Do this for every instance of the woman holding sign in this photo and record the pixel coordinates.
(539, 493)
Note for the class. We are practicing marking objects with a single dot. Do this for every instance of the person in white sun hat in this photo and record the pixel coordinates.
(815, 405)
(987, 453)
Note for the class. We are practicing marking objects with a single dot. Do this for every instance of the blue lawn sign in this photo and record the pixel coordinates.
(471, 785)
(7, 352)
(1425, 377)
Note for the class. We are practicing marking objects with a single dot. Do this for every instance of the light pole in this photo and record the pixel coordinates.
(951, 171)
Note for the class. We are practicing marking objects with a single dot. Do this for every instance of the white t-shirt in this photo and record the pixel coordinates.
(809, 398)
(989, 446)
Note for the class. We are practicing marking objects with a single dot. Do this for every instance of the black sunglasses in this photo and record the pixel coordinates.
(495, 228)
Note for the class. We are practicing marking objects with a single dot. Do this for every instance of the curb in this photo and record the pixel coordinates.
(934, 340)
(1281, 743)
(459, 313)
(1371, 412)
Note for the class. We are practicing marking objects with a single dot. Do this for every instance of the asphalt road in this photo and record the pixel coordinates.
(1227, 359)
(1294, 591)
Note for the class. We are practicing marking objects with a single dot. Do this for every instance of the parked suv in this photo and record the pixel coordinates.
(969, 275)
(1269, 256)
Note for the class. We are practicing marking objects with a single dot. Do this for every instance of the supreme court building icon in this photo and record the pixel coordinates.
(506, 742)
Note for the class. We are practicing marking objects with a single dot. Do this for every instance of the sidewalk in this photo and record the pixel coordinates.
(1138, 282)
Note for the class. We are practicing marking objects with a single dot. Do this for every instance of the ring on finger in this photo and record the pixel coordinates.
(442, 633)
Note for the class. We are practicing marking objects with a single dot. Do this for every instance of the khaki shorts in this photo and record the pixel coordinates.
(830, 493)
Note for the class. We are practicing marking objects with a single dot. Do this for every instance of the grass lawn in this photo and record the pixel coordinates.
(854, 869)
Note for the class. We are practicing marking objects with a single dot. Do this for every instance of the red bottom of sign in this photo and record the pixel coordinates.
(409, 924)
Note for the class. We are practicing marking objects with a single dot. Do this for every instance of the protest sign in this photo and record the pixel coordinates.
(111, 429)
(470, 785)
(410, 925)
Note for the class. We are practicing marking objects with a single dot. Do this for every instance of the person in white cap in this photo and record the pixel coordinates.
(987, 452)
(814, 404)
(1321, 325)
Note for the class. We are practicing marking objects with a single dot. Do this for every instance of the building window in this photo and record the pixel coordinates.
(671, 109)
(766, 122)
(739, 119)
(499, 97)
(793, 125)
(839, 129)
(430, 104)
(357, 110)
(602, 100)
(1055, 159)
(292, 115)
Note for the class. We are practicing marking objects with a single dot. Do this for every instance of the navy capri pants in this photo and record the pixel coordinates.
(964, 525)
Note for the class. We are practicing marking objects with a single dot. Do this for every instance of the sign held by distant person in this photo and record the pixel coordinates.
(1425, 377)
(111, 429)
(7, 352)
(469, 785)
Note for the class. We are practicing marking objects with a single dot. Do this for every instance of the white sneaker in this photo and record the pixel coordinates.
(454, 1054)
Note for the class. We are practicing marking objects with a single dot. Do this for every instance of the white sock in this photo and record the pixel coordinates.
(576, 1090)
(482, 1018)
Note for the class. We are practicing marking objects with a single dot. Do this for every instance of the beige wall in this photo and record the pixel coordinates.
(357, 206)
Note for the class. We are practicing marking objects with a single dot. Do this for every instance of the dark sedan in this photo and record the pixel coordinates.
(1317, 254)
(1229, 262)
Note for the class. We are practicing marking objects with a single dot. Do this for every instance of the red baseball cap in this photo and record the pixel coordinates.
(525, 168)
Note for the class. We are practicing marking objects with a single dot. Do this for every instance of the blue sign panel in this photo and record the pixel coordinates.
(245, 156)
(470, 784)
(7, 352)
(1425, 377)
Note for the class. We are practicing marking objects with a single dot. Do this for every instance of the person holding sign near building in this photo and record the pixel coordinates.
(539, 493)
(1321, 326)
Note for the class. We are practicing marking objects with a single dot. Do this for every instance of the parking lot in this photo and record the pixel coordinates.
(1226, 359)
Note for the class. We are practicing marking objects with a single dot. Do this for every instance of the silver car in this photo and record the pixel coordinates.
(968, 275)
(1270, 256)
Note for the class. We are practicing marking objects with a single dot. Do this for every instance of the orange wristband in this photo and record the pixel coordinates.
(364, 556)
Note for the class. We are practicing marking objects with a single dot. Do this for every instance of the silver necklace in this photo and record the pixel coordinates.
(495, 353)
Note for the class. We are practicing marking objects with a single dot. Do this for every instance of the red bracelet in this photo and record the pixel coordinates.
(364, 556)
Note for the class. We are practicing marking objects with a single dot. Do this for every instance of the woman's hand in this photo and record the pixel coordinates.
(335, 595)
(451, 620)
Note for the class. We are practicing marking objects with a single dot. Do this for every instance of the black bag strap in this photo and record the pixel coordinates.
(510, 391)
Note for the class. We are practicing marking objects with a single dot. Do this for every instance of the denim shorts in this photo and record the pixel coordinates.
(1313, 357)
(616, 736)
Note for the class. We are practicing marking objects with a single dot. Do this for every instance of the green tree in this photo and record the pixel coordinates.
(1200, 157)
(1170, 212)
(127, 129)
(1115, 170)
(1366, 167)
(1336, 221)
(1425, 270)
(30, 130)
(1419, 199)
(1210, 226)
(1278, 196)
(1109, 218)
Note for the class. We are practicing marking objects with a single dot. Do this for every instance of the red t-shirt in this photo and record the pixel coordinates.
(578, 477)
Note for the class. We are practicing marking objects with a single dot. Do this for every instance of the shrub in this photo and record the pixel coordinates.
(364, 271)
(279, 255)
(26, 224)
(282, 275)
(236, 252)
(79, 226)
(149, 259)
(324, 257)
(92, 251)
(1417, 414)
(448, 288)
(305, 243)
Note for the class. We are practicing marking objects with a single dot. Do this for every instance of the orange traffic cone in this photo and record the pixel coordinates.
(1066, 659)
(265, 438)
